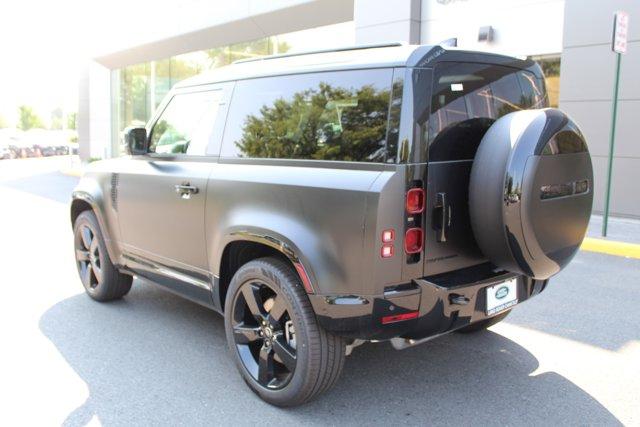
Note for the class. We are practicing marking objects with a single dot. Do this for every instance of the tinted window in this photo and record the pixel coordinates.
(533, 91)
(185, 125)
(468, 98)
(325, 116)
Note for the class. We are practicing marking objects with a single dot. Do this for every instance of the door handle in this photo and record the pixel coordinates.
(185, 190)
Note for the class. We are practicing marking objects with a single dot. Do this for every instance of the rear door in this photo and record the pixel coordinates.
(161, 196)
(467, 99)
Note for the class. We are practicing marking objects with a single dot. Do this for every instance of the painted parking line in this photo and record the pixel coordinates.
(611, 247)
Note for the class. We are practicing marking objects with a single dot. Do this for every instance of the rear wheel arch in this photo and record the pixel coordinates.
(243, 250)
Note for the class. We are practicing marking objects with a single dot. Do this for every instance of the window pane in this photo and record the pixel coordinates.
(325, 116)
(532, 91)
(507, 94)
(186, 124)
(467, 99)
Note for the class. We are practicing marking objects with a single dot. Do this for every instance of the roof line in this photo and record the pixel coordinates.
(311, 52)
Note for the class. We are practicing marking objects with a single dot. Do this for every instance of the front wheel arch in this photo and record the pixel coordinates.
(77, 207)
(82, 202)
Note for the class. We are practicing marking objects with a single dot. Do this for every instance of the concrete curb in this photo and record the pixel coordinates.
(611, 247)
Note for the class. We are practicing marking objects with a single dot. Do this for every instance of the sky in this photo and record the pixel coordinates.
(40, 55)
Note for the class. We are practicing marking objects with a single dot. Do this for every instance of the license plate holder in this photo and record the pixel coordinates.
(501, 296)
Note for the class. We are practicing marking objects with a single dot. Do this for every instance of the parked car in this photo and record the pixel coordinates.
(321, 200)
(44, 150)
(5, 152)
(23, 150)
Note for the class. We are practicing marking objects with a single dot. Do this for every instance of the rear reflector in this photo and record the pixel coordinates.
(399, 317)
(386, 251)
(304, 277)
(413, 240)
(415, 201)
(388, 236)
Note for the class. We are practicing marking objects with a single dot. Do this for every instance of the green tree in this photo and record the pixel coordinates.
(326, 123)
(72, 120)
(28, 118)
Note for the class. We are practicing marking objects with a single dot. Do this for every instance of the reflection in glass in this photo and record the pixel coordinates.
(185, 124)
(328, 116)
(468, 98)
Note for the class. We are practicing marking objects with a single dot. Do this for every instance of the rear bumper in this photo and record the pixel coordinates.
(444, 303)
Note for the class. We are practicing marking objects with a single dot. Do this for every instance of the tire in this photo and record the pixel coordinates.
(101, 279)
(483, 324)
(263, 297)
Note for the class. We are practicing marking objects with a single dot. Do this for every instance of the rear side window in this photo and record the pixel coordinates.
(323, 116)
(468, 98)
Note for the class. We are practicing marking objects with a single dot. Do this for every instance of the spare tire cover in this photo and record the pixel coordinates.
(530, 192)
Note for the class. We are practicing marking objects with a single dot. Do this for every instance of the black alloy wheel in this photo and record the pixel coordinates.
(280, 350)
(102, 280)
(264, 334)
(88, 256)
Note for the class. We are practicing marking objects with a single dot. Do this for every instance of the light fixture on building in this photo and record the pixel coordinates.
(485, 34)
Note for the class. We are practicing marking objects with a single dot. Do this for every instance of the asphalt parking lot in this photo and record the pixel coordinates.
(569, 356)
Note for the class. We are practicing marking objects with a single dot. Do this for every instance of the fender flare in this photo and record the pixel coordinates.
(276, 241)
(95, 207)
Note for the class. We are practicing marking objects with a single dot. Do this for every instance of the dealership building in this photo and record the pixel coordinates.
(152, 48)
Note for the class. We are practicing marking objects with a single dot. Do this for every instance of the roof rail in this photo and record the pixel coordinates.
(311, 52)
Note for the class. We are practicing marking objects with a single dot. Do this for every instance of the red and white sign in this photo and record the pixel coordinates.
(620, 30)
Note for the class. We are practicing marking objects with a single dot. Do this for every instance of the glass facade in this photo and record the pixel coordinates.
(138, 89)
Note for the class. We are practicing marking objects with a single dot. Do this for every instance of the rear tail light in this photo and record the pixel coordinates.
(399, 317)
(413, 240)
(415, 201)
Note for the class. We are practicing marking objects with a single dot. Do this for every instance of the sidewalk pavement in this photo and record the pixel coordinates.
(623, 237)
(619, 229)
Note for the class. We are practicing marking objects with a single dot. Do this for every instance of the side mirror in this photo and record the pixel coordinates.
(135, 140)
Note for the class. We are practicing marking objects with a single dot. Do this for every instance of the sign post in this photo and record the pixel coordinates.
(618, 46)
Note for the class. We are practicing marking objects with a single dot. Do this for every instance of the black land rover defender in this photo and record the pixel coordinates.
(321, 200)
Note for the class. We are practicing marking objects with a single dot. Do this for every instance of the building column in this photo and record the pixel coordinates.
(94, 112)
(379, 21)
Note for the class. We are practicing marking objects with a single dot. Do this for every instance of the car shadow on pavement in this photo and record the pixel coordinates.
(154, 358)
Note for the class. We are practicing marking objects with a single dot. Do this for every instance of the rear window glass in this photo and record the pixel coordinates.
(468, 98)
(323, 116)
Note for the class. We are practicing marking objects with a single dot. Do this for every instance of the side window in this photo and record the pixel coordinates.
(467, 99)
(185, 124)
(324, 116)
